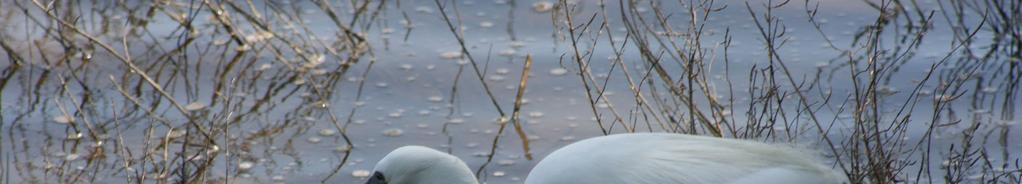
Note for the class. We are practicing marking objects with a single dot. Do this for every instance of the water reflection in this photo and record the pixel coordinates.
(280, 91)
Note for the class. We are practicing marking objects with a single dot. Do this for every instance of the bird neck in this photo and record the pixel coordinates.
(451, 171)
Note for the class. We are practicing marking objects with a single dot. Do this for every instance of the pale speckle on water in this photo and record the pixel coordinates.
(344, 148)
(989, 89)
(424, 9)
(535, 114)
(64, 119)
(568, 138)
(503, 71)
(496, 78)
(542, 6)
(71, 157)
(517, 44)
(505, 162)
(1006, 123)
(436, 98)
(558, 71)
(394, 114)
(486, 24)
(451, 55)
(264, 66)
(507, 52)
(361, 173)
(74, 136)
(393, 132)
(245, 165)
(176, 133)
(327, 132)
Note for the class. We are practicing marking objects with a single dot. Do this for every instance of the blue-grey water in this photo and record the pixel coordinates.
(401, 90)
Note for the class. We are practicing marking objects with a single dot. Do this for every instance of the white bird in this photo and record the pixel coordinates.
(644, 158)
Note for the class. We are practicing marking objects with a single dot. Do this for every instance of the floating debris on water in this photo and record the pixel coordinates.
(822, 64)
(361, 173)
(507, 52)
(505, 162)
(327, 132)
(212, 148)
(989, 89)
(542, 6)
(259, 36)
(496, 78)
(394, 115)
(245, 165)
(498, 173)
(535, 114)
(887, 90)
(486, 24)
(558, 71)
(1006, 123)
(393, 132)
(64, 119)
(725, 112)
(424, 9)
(924, 93)
(74, 136)
(71, 157)
(980, 111)
(943, 98)
(517, 44)
(503, 71)
(436, 99)
(568, 138)
(341, 149)
(264, 66)
(176, 133)
(451, 55)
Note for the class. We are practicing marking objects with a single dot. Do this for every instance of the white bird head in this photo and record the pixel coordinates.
(421, 165)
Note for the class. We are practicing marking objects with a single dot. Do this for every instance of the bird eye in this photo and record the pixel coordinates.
(377, 179)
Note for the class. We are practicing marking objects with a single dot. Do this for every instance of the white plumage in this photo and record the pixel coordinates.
(651, 158)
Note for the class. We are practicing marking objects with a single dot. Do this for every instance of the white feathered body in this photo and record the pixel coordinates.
(659, 158)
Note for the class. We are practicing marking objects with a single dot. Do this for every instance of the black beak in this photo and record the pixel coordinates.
(377, 179)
